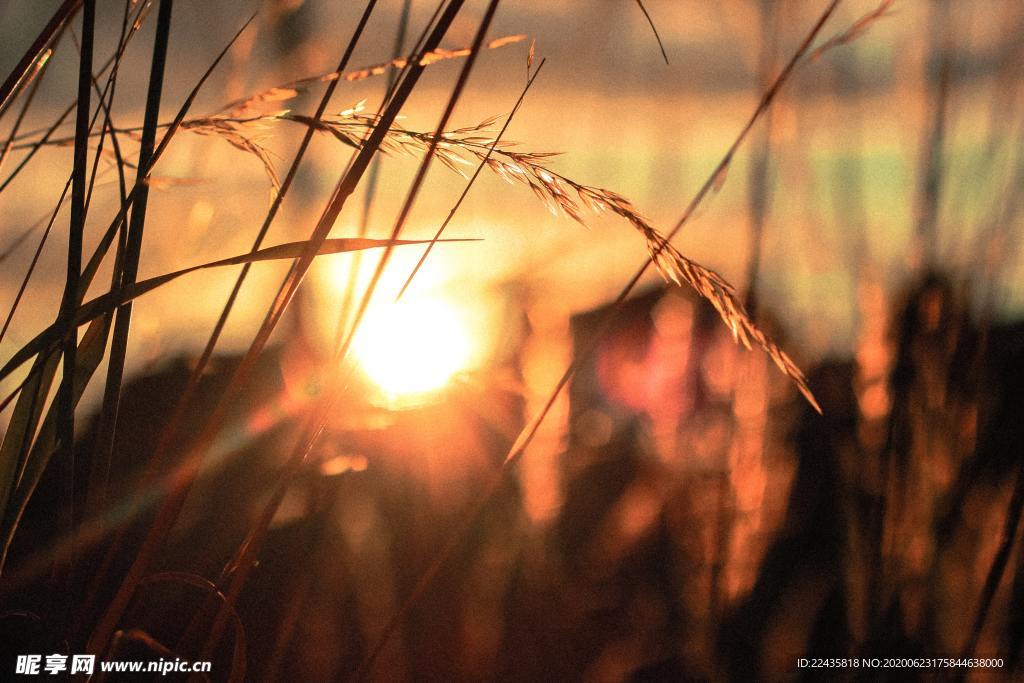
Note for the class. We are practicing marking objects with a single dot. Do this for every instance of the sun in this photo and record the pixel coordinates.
(414, 348)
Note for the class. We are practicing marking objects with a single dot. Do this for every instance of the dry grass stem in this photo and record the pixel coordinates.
(292, 89)
(855, 31)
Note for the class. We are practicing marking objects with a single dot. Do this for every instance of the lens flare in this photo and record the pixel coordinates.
(413, 348)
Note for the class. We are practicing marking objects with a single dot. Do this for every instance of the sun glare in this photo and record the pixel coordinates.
(415, 347)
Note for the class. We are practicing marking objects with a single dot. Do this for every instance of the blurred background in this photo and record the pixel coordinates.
(682, 512)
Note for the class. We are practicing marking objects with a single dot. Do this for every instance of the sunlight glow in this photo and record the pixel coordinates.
(414, 347)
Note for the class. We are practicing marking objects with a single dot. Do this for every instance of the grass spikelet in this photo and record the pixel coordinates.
(722, 295)
(565, 196)
(233, 132)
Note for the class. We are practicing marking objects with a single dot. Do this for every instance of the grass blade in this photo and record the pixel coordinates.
(111, 301)
(22, 428)
(88, 357)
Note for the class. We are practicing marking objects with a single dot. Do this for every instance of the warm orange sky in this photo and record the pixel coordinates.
(624, 120)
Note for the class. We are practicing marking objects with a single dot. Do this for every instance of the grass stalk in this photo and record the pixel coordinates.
(65, 402)
(103, 450)
(370, 193)
(35, 260)
(654, 29)
(23, 70)
(994, 577)
(47, 133)
(33, 89)
(933, 150)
